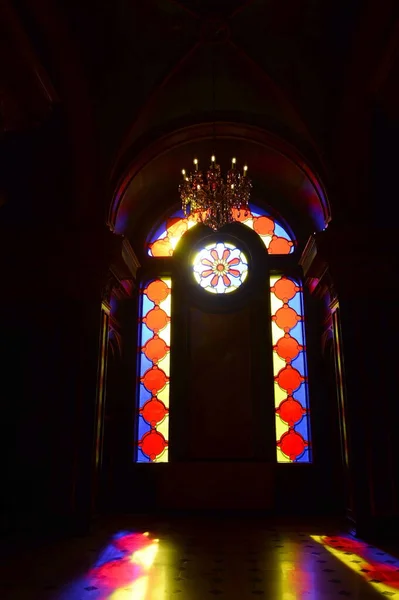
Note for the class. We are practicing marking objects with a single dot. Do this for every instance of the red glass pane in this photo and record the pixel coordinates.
(155, 349)
(263, 225)
(279, 245)
(156, 319)
(285, 289)
(289, 379)
(291, 411)
(286, 318)
(157, 291)
(153, 444)
(176, 226)
(154, 380)
(154, 411)
(292, 444)
(287, 348)
(161, 248)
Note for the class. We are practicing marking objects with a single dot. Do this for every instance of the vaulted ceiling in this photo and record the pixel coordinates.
(150, 63)
(278, 80)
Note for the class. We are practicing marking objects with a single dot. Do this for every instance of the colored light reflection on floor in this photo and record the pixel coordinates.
(382, 575)
(124, 567)
(297, 578)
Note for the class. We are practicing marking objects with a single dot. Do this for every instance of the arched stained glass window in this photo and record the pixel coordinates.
(221, 267)
(276, 238)
(154, 371)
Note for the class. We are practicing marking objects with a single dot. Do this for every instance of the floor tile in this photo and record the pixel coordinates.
(199, 559)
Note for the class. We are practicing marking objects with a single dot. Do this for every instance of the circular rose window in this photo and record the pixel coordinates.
(220, 268)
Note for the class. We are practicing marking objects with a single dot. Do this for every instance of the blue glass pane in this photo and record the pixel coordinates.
(302, 427)
(147, 305)
(145, 364)
(297, 333)
(143, 427)
(301, 394)
(299, 363)
(305, 457)
(278, 230)
(257, 212)
(146, 334)
(296, 303)
(144, 395)
(157, 233)
(162, 228)
(142, 458)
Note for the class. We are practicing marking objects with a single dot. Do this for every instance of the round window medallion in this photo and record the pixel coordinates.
(220, 268)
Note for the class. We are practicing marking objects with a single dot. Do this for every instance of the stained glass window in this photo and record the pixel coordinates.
(276, 238)
(220, 268)
(154, 371)
(289, 368)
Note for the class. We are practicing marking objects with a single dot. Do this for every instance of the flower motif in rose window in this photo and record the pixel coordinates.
(220, 268)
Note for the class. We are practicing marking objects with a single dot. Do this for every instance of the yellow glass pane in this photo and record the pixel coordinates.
(164, 334)
(249, 223)
(281, 427)
(163, 395)
(278, 363)
(164, 364)
(166, 304)
(279, 394)
(281, 458)
(174, 241)
(276, 333)
(164, 427)
(163, 458)
(273, 279)
(275, 304)
(266, 239)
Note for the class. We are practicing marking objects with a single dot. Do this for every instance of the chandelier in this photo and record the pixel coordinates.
(210, 199)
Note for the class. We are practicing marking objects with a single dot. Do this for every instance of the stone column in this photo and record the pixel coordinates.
(50, 330)
(361, 264)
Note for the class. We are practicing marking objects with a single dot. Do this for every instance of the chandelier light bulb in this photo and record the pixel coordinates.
(210, 198)
(183, 172)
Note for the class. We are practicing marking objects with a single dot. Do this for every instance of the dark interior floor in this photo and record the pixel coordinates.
(199, 558)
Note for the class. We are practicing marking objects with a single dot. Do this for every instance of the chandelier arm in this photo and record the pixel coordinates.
(209, 199)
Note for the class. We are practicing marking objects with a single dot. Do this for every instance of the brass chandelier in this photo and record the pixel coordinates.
(211, 200)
